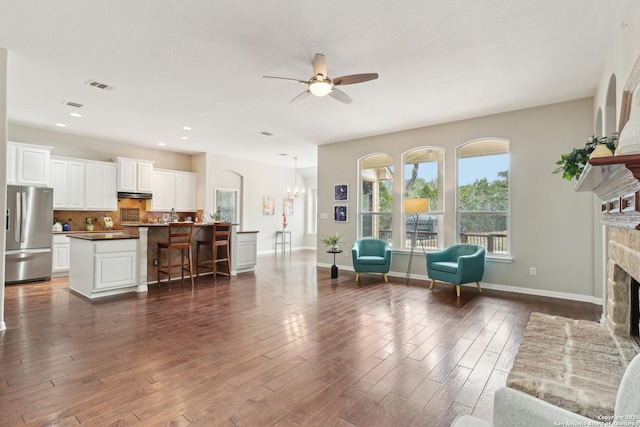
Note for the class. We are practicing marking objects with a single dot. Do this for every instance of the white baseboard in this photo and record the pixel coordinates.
(494, 286)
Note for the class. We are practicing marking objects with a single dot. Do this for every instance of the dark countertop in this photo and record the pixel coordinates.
(120, 230)
(166, 224)
(102, 236)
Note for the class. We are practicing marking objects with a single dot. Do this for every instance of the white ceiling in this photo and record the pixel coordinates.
(199, 63)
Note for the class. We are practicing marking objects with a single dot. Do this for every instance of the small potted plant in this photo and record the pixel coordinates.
(572, 164)
(332, 241)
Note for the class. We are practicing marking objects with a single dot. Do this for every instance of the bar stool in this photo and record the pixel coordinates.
(180, 239)
(220, 252)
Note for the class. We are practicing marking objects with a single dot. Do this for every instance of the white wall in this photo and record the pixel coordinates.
(551, 225)
(3, 176)
(259, 181)
(82, 147)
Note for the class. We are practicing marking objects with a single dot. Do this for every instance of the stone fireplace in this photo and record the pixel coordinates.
(623, 273)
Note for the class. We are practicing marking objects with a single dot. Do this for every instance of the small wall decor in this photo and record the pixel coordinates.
(268, 206)
(340, 213)
(287, 206)
(341, 193)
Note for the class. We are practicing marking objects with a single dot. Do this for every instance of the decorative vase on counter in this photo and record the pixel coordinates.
(66, 227)
(57, 227)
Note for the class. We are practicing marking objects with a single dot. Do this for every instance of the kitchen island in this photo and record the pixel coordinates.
(149, 234)
(104, 264)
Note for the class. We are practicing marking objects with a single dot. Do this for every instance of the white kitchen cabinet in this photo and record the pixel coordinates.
(103, 267)
(134, 175)
(185, 192)
(11, 163)
(28, 164)
(246, 251)
(101, 186)
(68, 183)
(164, 190)
(173, 189)
(61, 254)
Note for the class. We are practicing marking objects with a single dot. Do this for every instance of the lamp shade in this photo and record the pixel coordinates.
(416, 205)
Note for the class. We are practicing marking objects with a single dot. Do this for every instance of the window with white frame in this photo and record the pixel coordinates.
(424, 179)
(483, 195)
(312, 211)
(376, 196)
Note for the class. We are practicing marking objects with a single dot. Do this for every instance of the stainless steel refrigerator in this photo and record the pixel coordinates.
(28, 228)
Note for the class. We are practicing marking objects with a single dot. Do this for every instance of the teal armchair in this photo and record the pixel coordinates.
(371, 256)
(457, 264)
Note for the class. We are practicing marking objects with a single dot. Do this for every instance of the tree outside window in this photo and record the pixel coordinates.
(483, 195)
(424, 178)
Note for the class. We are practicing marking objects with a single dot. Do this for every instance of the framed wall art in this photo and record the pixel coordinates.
(341, 193)
(340, 213)
(268, 206)
(287, 206)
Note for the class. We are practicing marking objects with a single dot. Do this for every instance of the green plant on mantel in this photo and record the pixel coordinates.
(572, 164)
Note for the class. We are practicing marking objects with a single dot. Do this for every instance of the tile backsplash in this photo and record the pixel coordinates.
(126, 214)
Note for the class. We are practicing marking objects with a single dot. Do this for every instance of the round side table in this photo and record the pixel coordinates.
(334, 267)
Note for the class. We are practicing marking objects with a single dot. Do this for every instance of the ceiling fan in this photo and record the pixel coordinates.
(321, 85)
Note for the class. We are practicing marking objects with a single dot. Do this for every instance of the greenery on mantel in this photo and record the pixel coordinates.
(572, 164)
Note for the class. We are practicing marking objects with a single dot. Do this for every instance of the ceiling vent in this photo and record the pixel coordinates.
(99, 85)
(265, 133)
(72, 104)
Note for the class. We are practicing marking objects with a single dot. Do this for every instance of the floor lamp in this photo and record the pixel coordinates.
(415, 207)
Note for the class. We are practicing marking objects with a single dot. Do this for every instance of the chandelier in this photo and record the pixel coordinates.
(296, 191)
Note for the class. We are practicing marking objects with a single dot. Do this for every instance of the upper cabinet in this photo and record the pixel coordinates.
(67, 181)
(83, 184)
(173, 189)
(134, 175)
(28, 164)
(101, 186)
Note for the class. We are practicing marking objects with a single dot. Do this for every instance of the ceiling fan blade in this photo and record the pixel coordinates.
(301, 96)
(354, 78)
(286, 78)
(339, 95)
(319, 65)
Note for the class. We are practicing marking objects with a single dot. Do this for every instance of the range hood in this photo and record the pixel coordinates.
(139, 196)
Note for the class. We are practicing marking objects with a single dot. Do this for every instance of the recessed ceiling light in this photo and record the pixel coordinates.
(282, 154)
(75, 114)
(265, 133)
(184, 137)
(186, 128)
(62, 125)
(161, 144)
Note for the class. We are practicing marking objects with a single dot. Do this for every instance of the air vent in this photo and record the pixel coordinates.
(99, 85)
(265, 133)
(72, 104)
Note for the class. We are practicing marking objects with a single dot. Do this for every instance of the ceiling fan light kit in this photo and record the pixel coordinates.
(321, 85)
(320, 88)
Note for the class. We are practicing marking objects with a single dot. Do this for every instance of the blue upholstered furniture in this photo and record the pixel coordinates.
(457, 264)
(371, 256)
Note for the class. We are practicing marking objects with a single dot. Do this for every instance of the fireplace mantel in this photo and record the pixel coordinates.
(616, 181)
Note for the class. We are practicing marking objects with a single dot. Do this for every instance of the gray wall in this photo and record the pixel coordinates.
(3, 176)
(551, 225)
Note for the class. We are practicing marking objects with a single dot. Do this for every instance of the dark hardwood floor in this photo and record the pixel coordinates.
(285, 346)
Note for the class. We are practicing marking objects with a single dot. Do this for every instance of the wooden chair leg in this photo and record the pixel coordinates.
(433, 281)
(458, 291)
(357, 277)
(159, 265)
(191, 268)
(169, 256)
(384, 277)
(479, 288)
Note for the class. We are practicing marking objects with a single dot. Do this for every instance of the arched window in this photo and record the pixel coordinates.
(424, 179)
(483, 195)
(376, 196)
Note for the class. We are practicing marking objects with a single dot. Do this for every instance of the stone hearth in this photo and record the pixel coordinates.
(623, 250)
(573, 364)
